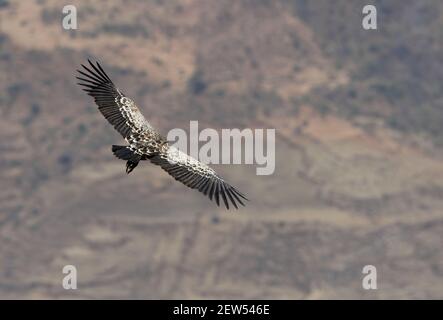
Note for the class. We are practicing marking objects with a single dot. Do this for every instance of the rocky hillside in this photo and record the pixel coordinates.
(359, 167)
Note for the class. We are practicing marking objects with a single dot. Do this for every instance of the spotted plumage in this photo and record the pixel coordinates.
(145, 143)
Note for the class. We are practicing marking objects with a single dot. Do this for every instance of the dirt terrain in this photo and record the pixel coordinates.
(359, 163)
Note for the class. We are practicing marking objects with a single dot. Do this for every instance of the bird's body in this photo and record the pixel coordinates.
(145, 143)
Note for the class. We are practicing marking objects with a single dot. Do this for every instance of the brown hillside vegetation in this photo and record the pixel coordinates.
(359, 168)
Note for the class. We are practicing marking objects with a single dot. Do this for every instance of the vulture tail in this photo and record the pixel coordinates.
(122, 152)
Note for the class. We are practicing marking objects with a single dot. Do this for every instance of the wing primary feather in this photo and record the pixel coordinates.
(186, 180)
(217, 192)
(211, 191)
(223, 193)
(196, 182)
(94, 75)
(89, 80)
(183, 175)
(98, 71)
(228, 192)
(240, 194)
(200, 182)
(104, 73)
(90, 76)
(235, 196)
(207, 187)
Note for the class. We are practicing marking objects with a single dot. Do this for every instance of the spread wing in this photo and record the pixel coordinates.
(197, 175)
(118, 109)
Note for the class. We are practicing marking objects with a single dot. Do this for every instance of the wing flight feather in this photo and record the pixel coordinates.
(199, 176)
(118, 109)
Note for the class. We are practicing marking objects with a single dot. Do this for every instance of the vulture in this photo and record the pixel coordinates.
(145, 143)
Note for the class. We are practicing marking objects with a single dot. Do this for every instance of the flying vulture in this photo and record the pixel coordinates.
(145, 143)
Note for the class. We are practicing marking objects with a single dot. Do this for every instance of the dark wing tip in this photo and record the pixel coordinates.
(95, 73)
(230, 195)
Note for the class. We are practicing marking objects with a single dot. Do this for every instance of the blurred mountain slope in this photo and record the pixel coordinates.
(359, 167)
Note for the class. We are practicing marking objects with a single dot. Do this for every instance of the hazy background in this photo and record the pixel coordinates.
(359, 164)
